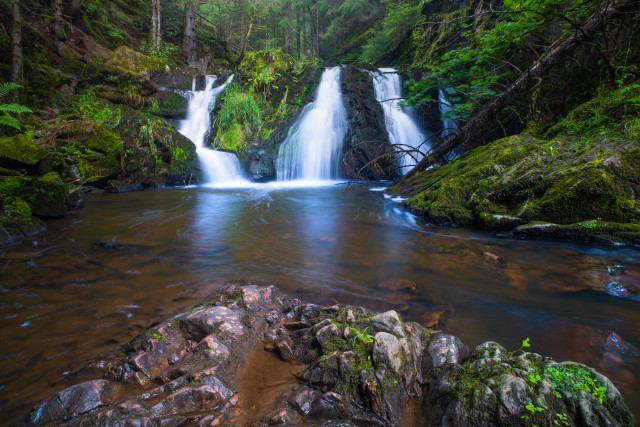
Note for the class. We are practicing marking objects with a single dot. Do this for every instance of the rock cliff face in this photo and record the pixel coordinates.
(367, 138)
(338, 365)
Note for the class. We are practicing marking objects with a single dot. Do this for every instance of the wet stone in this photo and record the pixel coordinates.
(205, 321)
(388, 322)
(442, 350)
(388, 350)
(188, 400)
(304, 399)
(326, 334)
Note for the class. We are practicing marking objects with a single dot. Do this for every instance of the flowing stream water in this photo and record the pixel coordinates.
(404, 132)
(103, 274)
(312, 149)
(221, 168)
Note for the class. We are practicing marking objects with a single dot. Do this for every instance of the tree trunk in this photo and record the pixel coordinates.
(16, 45)
(304, 31)
(58, 22)
(189, 39)
(318, 50)
(474, 125)
(299, 52)
(73, 7)
(243, 16)
(229, 44)
(155, 24)
(246, 38)
(289, 41)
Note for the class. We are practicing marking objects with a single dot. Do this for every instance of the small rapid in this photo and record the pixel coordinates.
(221, 169)
(311, 152)
(404, 133)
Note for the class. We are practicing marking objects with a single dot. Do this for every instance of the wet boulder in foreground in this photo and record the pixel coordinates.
(338, 365)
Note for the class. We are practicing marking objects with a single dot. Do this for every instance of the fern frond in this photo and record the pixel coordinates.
(15, 108)
(9, 121)
(7, 87)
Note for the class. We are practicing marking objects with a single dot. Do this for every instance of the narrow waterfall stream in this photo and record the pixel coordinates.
(404, 132)
(222, 169)
(312, 149)
(449, 126)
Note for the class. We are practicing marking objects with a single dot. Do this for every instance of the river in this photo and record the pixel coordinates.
(103, 274)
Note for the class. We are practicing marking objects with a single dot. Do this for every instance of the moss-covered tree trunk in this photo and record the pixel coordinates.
(526, 81)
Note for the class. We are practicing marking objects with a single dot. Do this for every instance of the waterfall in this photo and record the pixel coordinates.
(448, 125)
(404, 133)
(313, 147)
(221, 168)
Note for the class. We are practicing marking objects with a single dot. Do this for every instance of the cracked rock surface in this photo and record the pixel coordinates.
(337, 365)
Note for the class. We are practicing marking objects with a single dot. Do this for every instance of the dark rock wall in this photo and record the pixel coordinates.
(367, 138)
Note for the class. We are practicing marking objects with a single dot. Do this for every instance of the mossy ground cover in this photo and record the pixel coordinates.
(583, 175)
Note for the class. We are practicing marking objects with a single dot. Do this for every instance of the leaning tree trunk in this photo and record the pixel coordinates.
(16, 44)
(473, 126)
(189, 37)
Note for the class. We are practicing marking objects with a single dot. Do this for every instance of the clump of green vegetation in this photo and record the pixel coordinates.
(571, 379)
(239, 112)
(87, 107)
(265, 68)
(12, 108)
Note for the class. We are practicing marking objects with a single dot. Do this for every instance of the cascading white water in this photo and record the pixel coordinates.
(312, 149)
(448, 125)
(221, 168)
(404, 133)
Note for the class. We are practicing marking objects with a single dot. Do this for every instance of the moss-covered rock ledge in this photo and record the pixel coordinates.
(579, 180)
(338, 365)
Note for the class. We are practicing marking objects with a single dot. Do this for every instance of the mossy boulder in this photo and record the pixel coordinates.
(20, 151)
(46, 196)
(134, 62)
(521, 179)
(586, 168)
(496, 387)
(16, 220)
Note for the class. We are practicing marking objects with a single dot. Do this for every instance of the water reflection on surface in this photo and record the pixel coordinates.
(100, 276)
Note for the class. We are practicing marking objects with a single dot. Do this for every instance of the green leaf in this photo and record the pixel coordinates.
(7, 87)
(9, 121)
(15, 108)
(525, 343)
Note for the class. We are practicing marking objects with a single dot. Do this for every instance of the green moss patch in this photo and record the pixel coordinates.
(20, 151)
(566, 180)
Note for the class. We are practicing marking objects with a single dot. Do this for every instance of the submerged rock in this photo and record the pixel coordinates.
(346, 367)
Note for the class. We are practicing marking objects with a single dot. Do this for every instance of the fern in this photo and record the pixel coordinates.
(10, 121)
(5, 119)
(7, 88)
(15, 108)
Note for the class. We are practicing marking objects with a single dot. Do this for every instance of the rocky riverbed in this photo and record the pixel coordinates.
(250, 355)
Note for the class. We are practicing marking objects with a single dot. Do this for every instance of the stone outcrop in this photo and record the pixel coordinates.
(344, 365)
(367, 138)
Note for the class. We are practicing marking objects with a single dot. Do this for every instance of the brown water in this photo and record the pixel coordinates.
(64, 300)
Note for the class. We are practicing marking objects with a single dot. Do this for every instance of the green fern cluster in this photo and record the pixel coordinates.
(5, 119)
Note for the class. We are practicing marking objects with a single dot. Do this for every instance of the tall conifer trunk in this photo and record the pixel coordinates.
(189, 37)
(16, 44)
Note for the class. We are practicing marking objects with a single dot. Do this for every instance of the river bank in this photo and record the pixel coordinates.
(346, 365)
